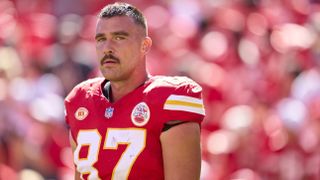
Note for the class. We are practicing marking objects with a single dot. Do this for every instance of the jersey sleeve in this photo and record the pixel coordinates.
(184, 103)
(79, 95)
(67, 104)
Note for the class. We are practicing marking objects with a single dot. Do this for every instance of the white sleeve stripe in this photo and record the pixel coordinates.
(185, 108)
(185, 99)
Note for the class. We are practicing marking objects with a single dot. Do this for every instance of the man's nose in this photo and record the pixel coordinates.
(108, 47)
(109, 51)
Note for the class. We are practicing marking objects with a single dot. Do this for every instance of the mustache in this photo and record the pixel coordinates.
(109, 56)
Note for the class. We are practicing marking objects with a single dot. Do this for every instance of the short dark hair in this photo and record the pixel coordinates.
(124, 9)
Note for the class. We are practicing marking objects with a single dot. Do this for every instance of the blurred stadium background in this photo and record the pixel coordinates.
(257, 60)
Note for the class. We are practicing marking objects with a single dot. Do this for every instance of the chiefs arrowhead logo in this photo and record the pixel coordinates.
(81, 113)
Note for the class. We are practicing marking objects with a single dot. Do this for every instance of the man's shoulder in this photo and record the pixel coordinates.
(178, 95)
(90, 83)
(173, 83)
(84, 87)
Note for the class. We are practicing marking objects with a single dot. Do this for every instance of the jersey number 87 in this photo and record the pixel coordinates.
(134, 138)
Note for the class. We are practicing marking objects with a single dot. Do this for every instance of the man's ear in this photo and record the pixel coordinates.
(146, 45)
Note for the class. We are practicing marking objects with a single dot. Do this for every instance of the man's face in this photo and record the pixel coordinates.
(119, 45)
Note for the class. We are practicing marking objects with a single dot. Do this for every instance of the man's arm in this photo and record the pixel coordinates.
(73, 146)
(181, 152)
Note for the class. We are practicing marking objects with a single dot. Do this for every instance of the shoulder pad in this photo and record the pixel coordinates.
(84, 87)
(174, 83)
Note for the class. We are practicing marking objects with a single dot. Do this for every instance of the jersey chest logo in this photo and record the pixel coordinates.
(81, 113)
(109, 112)
(140, 114)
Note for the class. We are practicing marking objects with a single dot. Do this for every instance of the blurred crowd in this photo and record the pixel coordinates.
(257, 60)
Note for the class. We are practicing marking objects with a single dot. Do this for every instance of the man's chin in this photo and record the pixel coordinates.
(111, 77)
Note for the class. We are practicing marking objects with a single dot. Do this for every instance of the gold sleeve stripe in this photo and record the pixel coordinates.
(185, 108)
(184, 103)
(185, 99)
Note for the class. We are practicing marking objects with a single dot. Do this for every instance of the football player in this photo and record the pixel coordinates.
(129, 124)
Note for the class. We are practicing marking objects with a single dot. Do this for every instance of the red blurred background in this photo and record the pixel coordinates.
(257, 60)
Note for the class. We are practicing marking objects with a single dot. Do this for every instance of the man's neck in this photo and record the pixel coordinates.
(122, 88)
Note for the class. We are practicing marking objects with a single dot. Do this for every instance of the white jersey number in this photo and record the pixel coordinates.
(134, 138)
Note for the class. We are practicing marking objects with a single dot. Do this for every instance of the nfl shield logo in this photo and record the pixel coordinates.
(109, 112)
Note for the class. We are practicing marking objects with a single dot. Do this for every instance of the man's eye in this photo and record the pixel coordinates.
(100, 39)
(119, 38)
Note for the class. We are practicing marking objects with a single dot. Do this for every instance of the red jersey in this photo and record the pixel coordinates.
(121, 140)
